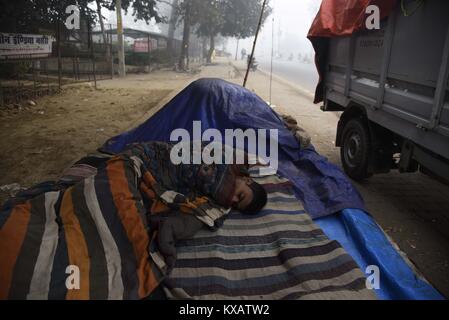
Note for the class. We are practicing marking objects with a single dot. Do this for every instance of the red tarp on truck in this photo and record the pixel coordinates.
(340, 18)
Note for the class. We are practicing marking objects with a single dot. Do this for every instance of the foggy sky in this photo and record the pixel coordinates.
(292, 20)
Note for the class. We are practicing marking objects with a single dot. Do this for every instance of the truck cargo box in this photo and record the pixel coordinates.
(394, 82)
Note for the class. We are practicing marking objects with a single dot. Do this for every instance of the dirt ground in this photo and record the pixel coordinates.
(40, 141)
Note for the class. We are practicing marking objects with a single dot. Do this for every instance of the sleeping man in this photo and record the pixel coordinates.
(181, 199)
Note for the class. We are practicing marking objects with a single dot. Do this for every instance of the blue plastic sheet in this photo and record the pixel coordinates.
(365, 241)
(324, 190)
(218, 104)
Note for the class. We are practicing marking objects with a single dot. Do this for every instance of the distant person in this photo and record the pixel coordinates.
(213, 55)
(243, 53)
(253, 64)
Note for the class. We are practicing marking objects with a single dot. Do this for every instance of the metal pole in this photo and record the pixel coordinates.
(18, 91)
(111, 50)
(46, 76)
(94, 67)
(34, 79)
(255, 42)
(59, 53)
(2, 98)
(149, 56)
(74, 67)
(121, 46)
(75, 73)
(92, 54)
(78, 73)
(440, 92)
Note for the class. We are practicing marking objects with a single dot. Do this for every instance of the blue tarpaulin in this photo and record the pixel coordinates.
(321, 186)
(366, 242)
(218, 104)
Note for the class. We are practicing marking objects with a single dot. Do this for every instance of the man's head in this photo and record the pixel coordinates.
(249, 197)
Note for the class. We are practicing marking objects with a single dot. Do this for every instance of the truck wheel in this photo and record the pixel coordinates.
(355, 151)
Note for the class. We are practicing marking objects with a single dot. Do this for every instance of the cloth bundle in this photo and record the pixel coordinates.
(299, 133)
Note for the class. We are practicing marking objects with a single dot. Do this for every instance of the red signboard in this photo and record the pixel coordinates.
(142, 45)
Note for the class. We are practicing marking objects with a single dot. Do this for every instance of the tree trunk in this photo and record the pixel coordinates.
(103, 32)
(205, 52)
(121, 45)
(211, 49)
(184, 58)
(172, 25)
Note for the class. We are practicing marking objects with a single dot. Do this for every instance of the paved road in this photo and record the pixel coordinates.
(299, 73)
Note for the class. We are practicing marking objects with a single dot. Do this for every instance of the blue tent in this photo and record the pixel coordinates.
(327, 194)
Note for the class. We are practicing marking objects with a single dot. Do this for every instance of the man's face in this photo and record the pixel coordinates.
(243, 195)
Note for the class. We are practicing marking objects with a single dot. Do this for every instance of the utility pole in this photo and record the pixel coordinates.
(121, 46)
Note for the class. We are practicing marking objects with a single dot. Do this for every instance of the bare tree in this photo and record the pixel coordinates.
(121, 47)
(184, 58)
(103, 31)
(172, 24)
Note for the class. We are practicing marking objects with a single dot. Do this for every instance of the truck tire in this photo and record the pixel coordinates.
(355, 151)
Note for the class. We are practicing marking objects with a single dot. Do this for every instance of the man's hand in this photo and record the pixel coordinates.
(171, 228)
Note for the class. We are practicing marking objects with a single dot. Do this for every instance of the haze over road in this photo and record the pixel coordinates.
(299, 73)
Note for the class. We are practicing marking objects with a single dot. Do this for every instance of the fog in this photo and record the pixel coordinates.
(282, 40)
(285, 31)
(283, 45)
(290, 21)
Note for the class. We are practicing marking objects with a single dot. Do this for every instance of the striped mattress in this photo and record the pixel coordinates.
(277, 254)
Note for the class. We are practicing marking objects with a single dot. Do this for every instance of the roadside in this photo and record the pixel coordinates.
(39, 143)
(413, 209)
(40, 138)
